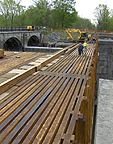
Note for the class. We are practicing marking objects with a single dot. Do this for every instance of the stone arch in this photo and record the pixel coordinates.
(33, 41)
(13, 44)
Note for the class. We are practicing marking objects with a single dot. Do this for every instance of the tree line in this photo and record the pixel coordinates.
(54, 14)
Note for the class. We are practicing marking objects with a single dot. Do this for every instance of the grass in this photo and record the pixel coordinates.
(46, 32)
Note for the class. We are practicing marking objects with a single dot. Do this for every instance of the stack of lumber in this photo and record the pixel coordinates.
(2, 53)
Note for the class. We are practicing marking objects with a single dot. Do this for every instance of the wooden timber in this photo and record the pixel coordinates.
(2, 53)
(55, 105)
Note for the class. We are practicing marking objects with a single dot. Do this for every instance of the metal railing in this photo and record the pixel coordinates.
(2, 29)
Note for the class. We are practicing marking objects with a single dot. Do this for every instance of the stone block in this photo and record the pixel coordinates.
(109, 50)
(101, 70)
(110, 73)
(102, 56)
(104, 76)
(102, 63)
(105, 42)
(102, 50)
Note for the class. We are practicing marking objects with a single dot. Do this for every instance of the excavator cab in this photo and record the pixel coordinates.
(83, 35)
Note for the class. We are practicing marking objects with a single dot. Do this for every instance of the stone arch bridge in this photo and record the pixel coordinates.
(17, 40)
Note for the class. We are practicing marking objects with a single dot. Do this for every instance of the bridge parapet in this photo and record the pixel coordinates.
(21, 38)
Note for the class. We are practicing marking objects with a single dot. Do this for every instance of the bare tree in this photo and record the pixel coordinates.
(102, 16)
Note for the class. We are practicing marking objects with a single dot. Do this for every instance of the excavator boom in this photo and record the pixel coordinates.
(69, 35)
(82, 35)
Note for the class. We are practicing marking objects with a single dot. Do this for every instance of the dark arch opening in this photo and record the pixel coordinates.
(13, 44)
(33, 41)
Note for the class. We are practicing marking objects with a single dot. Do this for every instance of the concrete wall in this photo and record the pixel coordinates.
(104, 118)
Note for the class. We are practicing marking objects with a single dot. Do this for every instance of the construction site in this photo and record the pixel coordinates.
(57, 97)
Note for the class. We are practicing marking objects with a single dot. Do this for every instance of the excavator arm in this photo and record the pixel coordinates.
(82, 35)
(68, 32)
(73, 30)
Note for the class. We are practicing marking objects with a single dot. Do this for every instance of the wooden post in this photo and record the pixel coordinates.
(80, 129)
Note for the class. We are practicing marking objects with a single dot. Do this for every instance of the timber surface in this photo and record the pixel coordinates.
(43, 109)
(16, 59)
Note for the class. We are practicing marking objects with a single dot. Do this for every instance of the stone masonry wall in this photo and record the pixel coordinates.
(105, 60)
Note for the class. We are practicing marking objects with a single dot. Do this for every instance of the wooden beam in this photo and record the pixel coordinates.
(16, 79)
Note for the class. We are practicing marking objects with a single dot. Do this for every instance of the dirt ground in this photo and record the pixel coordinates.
(62, 36)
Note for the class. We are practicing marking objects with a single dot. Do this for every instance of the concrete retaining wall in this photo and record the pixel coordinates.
(42, 49)
(104, 118)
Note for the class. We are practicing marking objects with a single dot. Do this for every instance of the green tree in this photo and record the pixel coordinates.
(102, 17)
(43, 12)
(111, 21)
(31, 14)
(4, 11)
(1, 20)
(9, 9)
(64, 12)
(20, 16)
(83, 23)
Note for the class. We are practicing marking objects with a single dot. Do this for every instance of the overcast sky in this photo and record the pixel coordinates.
(85, 8)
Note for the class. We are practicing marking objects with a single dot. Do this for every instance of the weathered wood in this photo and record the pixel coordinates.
(54, 105)
(2, 53)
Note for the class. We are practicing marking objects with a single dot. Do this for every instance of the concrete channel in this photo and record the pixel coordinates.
(104, 117)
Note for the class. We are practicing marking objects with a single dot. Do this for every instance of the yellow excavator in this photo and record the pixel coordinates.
(83, 36)
(30, 28)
